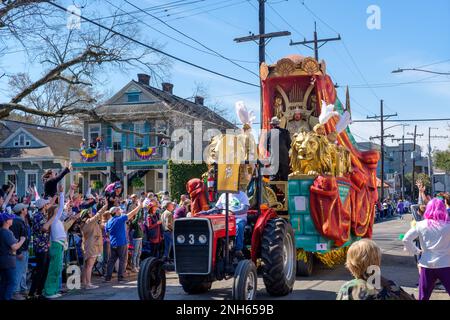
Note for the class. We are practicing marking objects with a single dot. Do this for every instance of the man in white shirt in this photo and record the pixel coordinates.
(238, 204)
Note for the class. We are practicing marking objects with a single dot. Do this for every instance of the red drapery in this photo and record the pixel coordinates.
(363, 192)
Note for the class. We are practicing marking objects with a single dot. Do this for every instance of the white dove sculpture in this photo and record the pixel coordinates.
(327, 112)
(344, 121)
(243, 114)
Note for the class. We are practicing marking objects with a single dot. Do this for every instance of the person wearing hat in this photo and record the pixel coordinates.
(40, 229)
(116, 228)
(92, 244)
(167, 224)
(20, 228)
(114, 195)
(8, 247)
(154, 227)
(279, 147)
(297, 124)
(132, 202)
(137, 234)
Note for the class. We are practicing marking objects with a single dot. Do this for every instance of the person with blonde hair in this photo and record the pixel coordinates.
(363, 262)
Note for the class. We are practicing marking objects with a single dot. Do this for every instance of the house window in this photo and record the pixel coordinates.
(11, 177)
(116, 139)
(21, 141)
(139, 128)
(160, 127)
(31, 180)
(133, 97)
(94, 132)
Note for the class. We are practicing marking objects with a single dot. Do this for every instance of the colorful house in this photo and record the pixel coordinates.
(27, 150)
(141, 162)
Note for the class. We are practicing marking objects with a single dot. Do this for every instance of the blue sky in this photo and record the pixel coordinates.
(413, 33)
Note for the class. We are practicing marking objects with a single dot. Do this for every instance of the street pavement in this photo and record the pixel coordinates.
(397, 265)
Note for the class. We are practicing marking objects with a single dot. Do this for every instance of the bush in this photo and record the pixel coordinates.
(180, 174)
(137, 183)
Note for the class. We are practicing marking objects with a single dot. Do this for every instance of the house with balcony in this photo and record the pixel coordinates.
(140, 161)
(28, 150)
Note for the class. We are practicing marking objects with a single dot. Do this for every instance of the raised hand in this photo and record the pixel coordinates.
(60, 188)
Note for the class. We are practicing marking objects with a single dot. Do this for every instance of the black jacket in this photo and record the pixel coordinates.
(284, 144)
(51, 185)
(20, 229)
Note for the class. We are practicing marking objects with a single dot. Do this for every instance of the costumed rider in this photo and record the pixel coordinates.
(298, 124)
(284, 144)
(238, 204)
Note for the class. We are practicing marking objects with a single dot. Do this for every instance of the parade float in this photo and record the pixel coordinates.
(332, 186)
(325, 203)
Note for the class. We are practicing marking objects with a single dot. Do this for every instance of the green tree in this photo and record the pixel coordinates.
(419, 176)
(181, 173)
(442, 160)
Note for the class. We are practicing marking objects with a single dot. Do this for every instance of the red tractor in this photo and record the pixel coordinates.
(204, 253)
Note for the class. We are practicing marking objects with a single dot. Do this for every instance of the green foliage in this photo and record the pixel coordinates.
(96, 185)
(180, 174)
(442, 160)
(419, 176)
(137, 183)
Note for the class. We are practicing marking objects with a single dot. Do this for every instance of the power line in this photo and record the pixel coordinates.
(153, 48)
(434, 63)
(405, 120)
(347, 51)
(206, 11)
(285, 21)
(193, 39)
(268, 20)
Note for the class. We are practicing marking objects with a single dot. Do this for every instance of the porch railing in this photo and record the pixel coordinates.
(91, 155)
(134, 155)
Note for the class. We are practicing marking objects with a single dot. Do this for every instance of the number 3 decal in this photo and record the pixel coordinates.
(191, 239)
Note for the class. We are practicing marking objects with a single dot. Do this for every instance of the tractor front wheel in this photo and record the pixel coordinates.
(278, 257)
(195, 284)
(152, 280)
(245, 281)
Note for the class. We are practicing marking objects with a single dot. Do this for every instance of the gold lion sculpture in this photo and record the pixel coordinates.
(316, 154)
(310, 154)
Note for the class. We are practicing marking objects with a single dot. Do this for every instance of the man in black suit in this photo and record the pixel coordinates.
(284, 144)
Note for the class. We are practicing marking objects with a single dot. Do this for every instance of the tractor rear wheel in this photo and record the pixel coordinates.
(152, 280)
(194, 284)
(245, 281)
(278, 257)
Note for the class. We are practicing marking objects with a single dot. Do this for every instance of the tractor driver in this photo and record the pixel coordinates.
(238, 204)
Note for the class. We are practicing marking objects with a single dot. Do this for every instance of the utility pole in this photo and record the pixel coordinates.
(413, 189)
(382, 118)
(403, 162)
(262, 30)
(430, 163)
(315, 42)
(263, 38)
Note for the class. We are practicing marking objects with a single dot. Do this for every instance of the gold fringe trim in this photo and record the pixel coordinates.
(333, 258)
